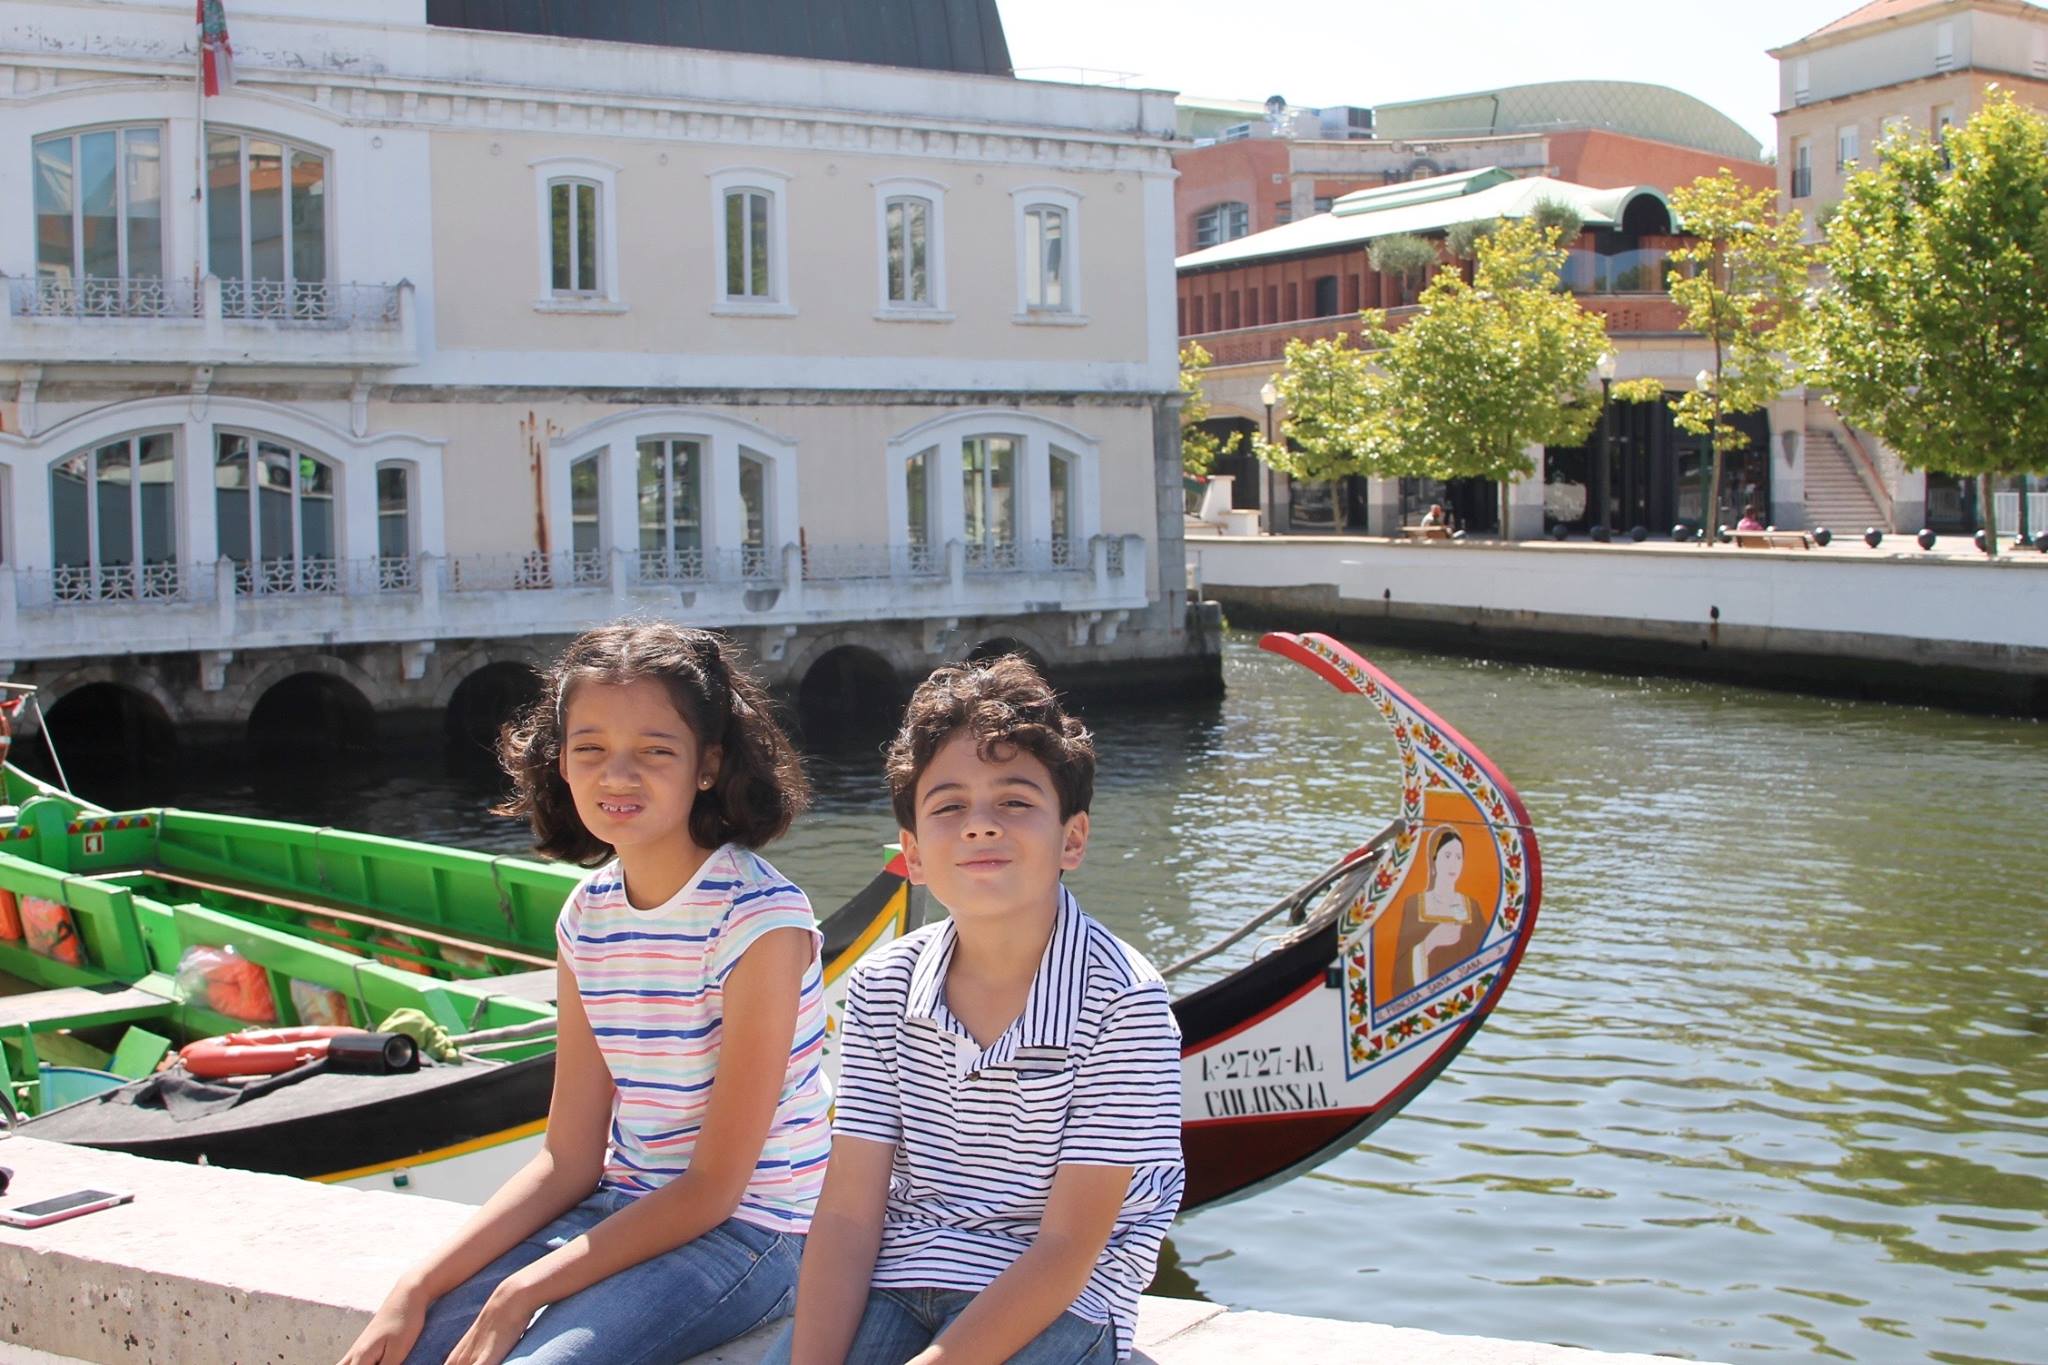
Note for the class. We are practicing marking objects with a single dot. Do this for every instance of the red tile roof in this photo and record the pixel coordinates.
(1875, 12)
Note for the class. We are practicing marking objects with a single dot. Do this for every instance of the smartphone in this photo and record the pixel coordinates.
(56, 1210)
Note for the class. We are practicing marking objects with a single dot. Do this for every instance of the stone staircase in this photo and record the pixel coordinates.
(1836, 495)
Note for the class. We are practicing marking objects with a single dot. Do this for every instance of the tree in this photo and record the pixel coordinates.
(1741, 281)
(1199, 449)
(1480, 373)
(1932, 330)
(1489, 368)
(1404, 256)
(1336, 417)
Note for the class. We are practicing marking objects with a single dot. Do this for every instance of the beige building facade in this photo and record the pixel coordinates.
(429, 345)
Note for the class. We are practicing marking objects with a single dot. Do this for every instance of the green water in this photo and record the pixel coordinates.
(1772, 1078)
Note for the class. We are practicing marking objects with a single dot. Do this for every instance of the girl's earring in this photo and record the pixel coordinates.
(704, 784)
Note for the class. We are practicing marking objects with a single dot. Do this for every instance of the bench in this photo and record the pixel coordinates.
(1426, 532)
(1772, 540)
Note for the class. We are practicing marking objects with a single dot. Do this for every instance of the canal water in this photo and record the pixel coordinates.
(1772, 1079)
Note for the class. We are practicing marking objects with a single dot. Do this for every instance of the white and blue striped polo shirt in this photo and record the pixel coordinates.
(1089, 1074)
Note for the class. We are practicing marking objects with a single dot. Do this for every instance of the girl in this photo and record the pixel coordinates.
(687, 1133)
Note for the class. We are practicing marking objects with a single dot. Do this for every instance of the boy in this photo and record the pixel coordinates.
(1006, 1154)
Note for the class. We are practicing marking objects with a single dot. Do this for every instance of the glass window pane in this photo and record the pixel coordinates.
(266, 211)
(316, 508)
(754, 500)
(583, 504)
(917, 501)
(53, 209)
(1002, 490)
(273, 501)
(894, 231)
(231, 496)
(686, 467)
(920, 230)
(1061, 467)
(99, 214)
(145, 189)
(1054, 261)
(113, 485)
(1034, 259)
(735, 244)
(394, 506)
(586, 238)
(758, 283)
(652, 496)
(558, 226)
(157, 496)
(309, 218)
(224, 205)
(974, 489)
(70, 514)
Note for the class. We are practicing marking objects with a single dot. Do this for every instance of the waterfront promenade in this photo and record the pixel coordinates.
(218, 1267)
(1946, 627)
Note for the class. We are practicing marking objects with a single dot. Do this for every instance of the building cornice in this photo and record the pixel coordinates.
(1815, 42)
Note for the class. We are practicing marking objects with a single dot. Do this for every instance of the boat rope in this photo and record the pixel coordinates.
(34, 699)
(1292, 900)
(510, 1033)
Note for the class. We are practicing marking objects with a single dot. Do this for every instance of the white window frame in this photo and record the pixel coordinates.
(605, 175)
(94, 567)
(1035, 436)
(775, 184)
(412, 500)
(1070, 313)
(1848, 146)
(1221, 216)
(288, 145)
(933, 192)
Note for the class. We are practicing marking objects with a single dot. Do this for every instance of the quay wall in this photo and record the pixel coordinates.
(220, 1267)
(1954, 632)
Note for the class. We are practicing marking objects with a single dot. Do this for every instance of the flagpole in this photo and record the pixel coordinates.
(199, 160)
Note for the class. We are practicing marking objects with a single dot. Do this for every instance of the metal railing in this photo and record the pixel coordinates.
(100, 297)
(310, 303)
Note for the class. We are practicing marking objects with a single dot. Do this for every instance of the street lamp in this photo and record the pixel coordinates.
(1709, 529)
(1268, 395)
(1602, 491)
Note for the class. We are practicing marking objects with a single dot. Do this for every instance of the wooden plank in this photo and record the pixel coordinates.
(79, 1006)
(538, 986)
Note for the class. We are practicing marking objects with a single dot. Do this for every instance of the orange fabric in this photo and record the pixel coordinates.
(392, 960)
(50, 930)
(240, 989)
(10, 917)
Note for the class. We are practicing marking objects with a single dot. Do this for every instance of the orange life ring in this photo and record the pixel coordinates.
(258, 1052)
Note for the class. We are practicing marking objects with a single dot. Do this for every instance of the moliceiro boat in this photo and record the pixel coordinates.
(1341, 1000)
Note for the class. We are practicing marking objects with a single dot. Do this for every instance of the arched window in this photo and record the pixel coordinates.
(573, 235)
(113, 521)
(99, 206)
(586, 518)
(1048, 255)
(266, 226)
(671, 498)
(752, 236)
(1015, 491)
(911, 222)
(275, 512)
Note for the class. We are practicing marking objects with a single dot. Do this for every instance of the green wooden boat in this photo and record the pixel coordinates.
(364, 926)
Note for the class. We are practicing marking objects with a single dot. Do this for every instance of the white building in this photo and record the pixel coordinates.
(431, 343)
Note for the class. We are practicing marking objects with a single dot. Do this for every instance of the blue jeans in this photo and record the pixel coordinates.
(898, 1323)
(665, 1309)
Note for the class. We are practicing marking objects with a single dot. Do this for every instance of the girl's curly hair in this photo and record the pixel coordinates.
(760, 786)
(1007, 707)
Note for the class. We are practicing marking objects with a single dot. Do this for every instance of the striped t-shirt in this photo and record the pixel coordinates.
(653, 985)
(1089, 1074)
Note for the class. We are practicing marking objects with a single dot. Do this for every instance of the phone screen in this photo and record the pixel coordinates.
(44, 1208)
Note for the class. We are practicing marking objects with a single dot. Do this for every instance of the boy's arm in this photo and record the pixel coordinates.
(839, 1254)
(1080, 1213)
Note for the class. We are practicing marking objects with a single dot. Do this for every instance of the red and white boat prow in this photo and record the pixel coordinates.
(1395, 956)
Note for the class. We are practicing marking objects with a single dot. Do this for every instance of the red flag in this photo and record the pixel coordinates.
(216, 53)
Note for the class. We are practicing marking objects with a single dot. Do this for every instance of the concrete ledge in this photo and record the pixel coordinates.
(219, 1267)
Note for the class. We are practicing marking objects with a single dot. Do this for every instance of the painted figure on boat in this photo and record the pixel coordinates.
(1441, 926)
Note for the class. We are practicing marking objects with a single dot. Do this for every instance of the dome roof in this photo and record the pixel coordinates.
(1634, 107)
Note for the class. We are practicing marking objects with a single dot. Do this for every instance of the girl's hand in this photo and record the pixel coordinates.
(494, 1333)
(391, 1331)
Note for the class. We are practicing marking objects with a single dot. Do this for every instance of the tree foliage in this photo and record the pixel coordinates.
(1559, 217)
(1462, 239)
(1404, 255)
(1933, 328)
(1482, 371)
(1199, 449)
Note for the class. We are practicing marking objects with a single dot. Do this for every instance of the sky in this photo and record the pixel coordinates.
(1374, 52)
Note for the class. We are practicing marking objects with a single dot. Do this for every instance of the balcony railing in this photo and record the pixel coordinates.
(94, 297)
(207, 321)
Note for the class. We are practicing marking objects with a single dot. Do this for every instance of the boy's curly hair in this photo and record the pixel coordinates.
(1007, 706)
(760, 786)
